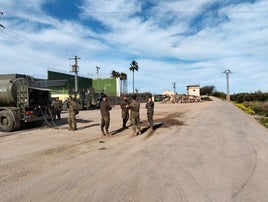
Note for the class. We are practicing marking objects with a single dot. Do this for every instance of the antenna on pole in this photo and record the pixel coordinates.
(227, 72)
(75, 70)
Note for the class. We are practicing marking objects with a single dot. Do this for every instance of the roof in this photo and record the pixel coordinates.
(41, 89)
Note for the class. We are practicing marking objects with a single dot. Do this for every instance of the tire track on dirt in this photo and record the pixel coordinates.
(21, 166)
(243, 183)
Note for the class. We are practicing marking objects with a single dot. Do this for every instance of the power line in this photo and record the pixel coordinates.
(1, 13)
(29, 43)
(151, 12)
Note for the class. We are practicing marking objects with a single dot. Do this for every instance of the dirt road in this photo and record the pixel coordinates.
(208, 151)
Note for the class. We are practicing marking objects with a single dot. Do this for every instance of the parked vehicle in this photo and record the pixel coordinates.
(22, 102)
(84, 100)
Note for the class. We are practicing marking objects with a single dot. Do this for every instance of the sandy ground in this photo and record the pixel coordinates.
(208, 151)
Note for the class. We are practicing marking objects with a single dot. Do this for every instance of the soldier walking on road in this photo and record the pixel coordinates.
(105, 108)
(135, 115)
(150, 112)
(125, 111)
(72, 108)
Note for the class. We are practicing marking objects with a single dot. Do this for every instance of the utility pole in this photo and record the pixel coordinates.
(75, 70)
(227, 72)
(1, 13)
(174, 87)
(98, 69)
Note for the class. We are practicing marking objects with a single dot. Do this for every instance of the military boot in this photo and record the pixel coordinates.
(102, 131)
(107, 132)
(151, 129)
(75, 127)
(134, 131)
(139, 129)
(124, 123)
(70, 127)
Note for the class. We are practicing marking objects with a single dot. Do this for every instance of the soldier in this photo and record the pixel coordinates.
(125, 111)
(72, 108)
(105, 108)
(135, 115)
(57, 104)
(150, 112)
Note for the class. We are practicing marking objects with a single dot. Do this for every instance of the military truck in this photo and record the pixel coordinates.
(84, 100)
(88, 100)
(22, 102)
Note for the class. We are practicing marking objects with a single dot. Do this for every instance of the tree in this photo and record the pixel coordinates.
(115, 74)
(123, 78)
(207, 90)
(133, 67)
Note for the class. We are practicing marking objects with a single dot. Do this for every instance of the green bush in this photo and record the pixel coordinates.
(264, 121)
(206, 98)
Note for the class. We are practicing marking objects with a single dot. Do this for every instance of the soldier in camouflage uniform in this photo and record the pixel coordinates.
(72, 108)
(57, 104)
(105, 108)
(125, 111)
(135, 115)
(150, 112)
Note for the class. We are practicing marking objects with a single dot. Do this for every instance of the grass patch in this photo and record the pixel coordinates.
(261, 116)
(248, 110)
(264, 121)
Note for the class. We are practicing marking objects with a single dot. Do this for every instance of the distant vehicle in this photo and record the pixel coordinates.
(21, 102)
(85, 100)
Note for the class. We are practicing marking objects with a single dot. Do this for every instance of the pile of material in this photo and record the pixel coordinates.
(180, 99)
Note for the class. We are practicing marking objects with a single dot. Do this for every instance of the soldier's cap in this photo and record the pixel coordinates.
(104, 95)
(134, 97)
(70, 97)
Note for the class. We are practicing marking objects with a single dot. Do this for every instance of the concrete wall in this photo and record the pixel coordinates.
(109, 86)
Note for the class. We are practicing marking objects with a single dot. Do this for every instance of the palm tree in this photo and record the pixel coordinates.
(123, 78)
(115, 74)
(133, 67)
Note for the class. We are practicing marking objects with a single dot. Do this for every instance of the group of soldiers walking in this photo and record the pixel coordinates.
(133, 106)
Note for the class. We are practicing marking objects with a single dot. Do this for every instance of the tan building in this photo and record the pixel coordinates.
(193, 90)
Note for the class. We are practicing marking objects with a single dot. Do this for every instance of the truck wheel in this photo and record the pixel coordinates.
(6, 121)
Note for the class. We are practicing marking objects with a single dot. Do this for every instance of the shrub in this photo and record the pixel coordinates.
(264, 121)
(245, 109)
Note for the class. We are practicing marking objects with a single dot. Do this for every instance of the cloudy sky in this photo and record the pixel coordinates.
(183, 41)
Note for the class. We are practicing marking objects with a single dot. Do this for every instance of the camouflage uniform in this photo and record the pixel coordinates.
(135, 116)
(105, 107)
(57, 104)
(125, 111)
(150, 112)
(72, 113)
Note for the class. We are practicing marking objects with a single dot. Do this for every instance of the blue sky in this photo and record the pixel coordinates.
(183, 41)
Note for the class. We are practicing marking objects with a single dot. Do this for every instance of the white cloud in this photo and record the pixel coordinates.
(158, 39)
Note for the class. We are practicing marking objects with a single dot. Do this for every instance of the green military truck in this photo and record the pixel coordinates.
(22, 102)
